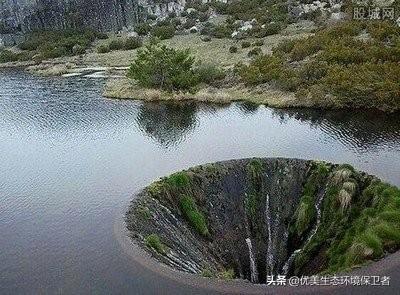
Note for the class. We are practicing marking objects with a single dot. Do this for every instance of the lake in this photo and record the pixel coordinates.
(71, 161)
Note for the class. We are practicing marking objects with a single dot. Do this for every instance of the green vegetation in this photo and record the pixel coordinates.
(252, 205)
(192, 214)
(160, 67)
(270, 17)
(129, 43)
(144, 212)
(104, 48)
(258, 43)
(357, 225)
(207, 273)
(9, 56)
(337, 68)
(228, 274)
(163, 32)
(209, 73)
(178, 180)
(255, 168)
(153, 241)
(52, 44)
(254, 198)
(306, 212)
(143, 29)
(254, 52)
(233, 49)
(217, 31)
(246, 44)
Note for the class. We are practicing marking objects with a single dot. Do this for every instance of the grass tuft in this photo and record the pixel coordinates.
(192, 214)
(153, 241)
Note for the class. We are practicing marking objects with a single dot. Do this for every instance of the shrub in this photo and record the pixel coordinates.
(163, 32)
(312, 72)
(153, 241)
(207, 273)
(101, 36)
(78, 49)
(132, 43)
(345, 52)
(268, 29)
(349, 28)
(49, 51)
(175, 22)
(203, 17)
(262, 69)
(209, 73)
(51, 44)
(246, 44)
(233, 49)
(255, 52)
(284, 47)
(158, 66)
(258, 43)
(8, 56)
(383, 31)
(103, 49)
(366, 85)
(116, 44)
(143, 29)
(189, 23)
(305, 48)
(193, 215)
(220, 31)
(228, 274)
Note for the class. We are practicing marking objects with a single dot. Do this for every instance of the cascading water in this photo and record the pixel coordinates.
(270, 255)
(253, 266)
(289, 262)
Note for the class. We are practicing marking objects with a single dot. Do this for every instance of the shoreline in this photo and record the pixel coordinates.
(127, 89)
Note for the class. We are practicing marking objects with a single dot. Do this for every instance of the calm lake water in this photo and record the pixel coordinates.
(70, 161)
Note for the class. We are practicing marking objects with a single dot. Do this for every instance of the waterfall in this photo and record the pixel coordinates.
(253, 266)
(270, 255)
(289, 262)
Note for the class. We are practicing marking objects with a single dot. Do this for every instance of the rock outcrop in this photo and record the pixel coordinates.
(258, 217)
(103, 15)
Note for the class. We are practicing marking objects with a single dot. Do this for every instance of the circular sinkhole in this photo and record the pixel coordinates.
(251, 218)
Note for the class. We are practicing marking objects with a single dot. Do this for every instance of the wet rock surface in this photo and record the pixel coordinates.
(248, 218)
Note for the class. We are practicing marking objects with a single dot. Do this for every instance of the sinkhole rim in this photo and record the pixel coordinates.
(138, 255)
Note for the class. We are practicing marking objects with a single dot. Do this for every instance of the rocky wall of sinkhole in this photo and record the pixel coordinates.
(251, 218)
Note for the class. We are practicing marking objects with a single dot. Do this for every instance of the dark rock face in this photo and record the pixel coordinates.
(223, 191)
(260, 217)
(103, 15)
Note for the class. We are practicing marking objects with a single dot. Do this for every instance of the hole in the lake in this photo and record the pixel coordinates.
(252, 218)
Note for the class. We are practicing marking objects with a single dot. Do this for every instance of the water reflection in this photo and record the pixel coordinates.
(358, 129)
(167, 123)
(70, 159)
(248, 107)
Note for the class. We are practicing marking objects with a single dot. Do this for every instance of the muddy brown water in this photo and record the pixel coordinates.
(71, 160)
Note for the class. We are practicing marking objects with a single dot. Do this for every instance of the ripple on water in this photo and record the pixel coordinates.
(71, 159)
